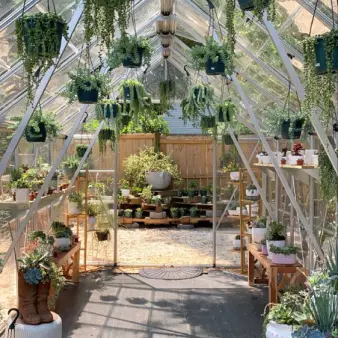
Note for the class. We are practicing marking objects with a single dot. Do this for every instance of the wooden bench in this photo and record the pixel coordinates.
(268, 273)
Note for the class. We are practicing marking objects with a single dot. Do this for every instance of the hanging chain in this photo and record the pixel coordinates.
(313, 17)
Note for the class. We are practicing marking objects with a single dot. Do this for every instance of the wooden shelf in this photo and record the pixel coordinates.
(286, 166)
(154, 221)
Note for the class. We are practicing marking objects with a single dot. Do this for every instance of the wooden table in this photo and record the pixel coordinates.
(63, 260)
(268, 274)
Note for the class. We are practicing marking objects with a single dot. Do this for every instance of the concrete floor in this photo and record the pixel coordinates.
(214, 305)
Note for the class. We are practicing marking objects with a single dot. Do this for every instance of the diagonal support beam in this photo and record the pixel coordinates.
(301, 91)
(278, 168)
(39, 93)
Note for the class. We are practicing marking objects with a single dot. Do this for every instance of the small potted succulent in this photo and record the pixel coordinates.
(275, 235)
(283, 255)
(139, 213)
(283, 161)
(251, 192)
(87, 86)
(157, 200)
(92, 212)
(63, 236)
(70, 166)
(264, 248)
(174, 212)
(232, 211)
(74, 203)
(237, 242)
(81, 150)
(124, 187)
(193, 212)
(296, 154)
(258, 230)
(128, 213)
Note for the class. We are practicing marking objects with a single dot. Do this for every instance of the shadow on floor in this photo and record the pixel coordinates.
(110, 305)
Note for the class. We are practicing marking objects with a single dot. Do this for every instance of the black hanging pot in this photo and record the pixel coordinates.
(128, 62)
(320, 53)
(81, 151)
(88, 96)
(107, 110)
(215, 68)
(115, 109)
(285, 129)
(33, 136)
(221, 114)
(102, 236)
(246, 5)
(126, 92)
(297, 128)
(208, 121)
(125, 119)
(197, 92)
(227, 140)
(54, 45)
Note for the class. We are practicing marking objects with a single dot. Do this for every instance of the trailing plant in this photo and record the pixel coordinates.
(38, 39)
(137, 166)
(319, 88)
(200, 97)
(81, 149)
(100, 18)
(138, 100)
(260, 5)
(105, 110)
(87, 80)
(286, 250)
(129, 47)
(167, 94)
(38, 124)
(106, 135)
(93, 210)
(200, 54)
(328, 182)
(228, 110)
(275, 232)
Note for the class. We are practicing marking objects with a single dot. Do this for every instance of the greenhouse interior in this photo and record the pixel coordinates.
(169, 168)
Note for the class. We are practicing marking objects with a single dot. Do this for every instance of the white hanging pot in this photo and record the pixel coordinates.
(258, 234)
(283, 259)
(22, 195)
(63, 244)
(279, 244)
(73, 208)
(125, 192)
(159, 180)
(251, 192)
(275, 330)
(234, 176)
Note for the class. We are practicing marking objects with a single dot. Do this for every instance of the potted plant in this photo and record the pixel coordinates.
(320, 62)
(147, 194)
(203, 191)
(70, 166)
(139, 213)
(124, 187)
(92, 212)
(81, 150)
(208, 123)
(62, 235)
(38, 39)
(264, 248)
(296, 154)
(258, 7)
(226, 111)
(36, 276)
(107, 110)
(87, 86)
(275, 235)
(283, 255)
(237, 242)
(233, 169)
(128, 213)
(102, 233)
(174, 212)
(193, 184)
(22, 186)
(193, 212)
(101, 17)
(157, 200)
(106, 136)
(40, 126)
(74, 203)
(212, 57)
(258, 230)
(131, 51)
(263, 157)
(167, 94)
(251, 192)
(182, 212)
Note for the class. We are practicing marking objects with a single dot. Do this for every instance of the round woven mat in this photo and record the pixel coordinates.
(171, 273)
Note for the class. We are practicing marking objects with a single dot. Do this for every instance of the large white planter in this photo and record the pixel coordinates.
(22, 195)
(279, 244)
(308, 157)
(265, 159)
(251, 193)
(125, 192)
(258, 234)
(315, 160)
(73, 208)
(237, 243)
(234, 176)
(293, 159)
(275, 330)
(158, 180)
(63, 244)
(283, 259)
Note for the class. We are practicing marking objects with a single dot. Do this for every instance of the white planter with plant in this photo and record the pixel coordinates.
(124, 187)
(275, 235)
(74, 203)
(237, 242)
(258, 230)
(92, 212)
(283, 255)
(22, 195)
(62, 235)
(251, 191)
(275, 330)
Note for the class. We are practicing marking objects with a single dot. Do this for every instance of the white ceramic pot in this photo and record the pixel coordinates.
(22, 195)
(73, 208)
(63, 243)
(279, 244)
(258, 234)
(275, 330)
(251, 193)
(265, 159)
(315, 160)
(259, 159)
(293, 159)
(125, 192)
(234, 175)
(283, 259)
(308, 157)
(158, 180)
(237, 243)
(232, 212)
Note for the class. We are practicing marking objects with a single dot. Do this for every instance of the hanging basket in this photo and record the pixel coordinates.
(107, 110)
(227, 140)
(115, 109)
(129, 62)
(285, 129)
(215, 68)
(208, 122)
(88, 96)
(127, 92)
(106, 134)
(221, 117)
(102, 235)
(29, 29)
(246, 5)
(80, 151)
(320, 53)
(125, 119)
(296, 132)
(33, 136)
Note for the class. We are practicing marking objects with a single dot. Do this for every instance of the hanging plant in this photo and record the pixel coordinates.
(39, 39)
(40, 127)
(106, 135)
(226, 111)
(107, 110)
(100, 18)
(230, 26)
(81, 150)
(200, 98)
(208, 124)
(88, 87)
(212, 57)
(167, 94)
(227, 139)
(258, 7)
(131, 51)
(320, 64)
(134, 94)
(328, 181)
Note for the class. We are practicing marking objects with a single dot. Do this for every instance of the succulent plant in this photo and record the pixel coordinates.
(33, 276)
